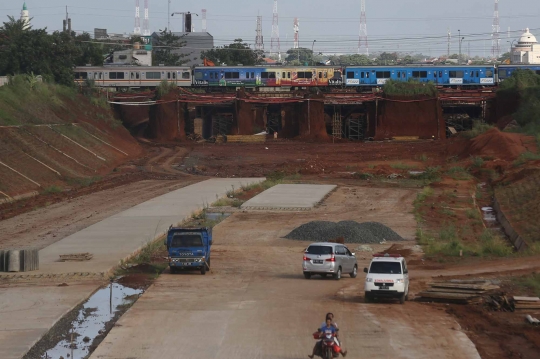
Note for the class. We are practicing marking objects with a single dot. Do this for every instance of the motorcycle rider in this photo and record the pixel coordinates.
(327, 327)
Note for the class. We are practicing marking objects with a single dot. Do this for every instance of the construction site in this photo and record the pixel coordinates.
(99, 180)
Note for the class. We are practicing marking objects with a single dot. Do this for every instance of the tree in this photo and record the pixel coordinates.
(300, 55)
(351, 60)
(236, 53)
(505, 57)
(387, 58)
(164, 50)
(90, 53)
(406, 60)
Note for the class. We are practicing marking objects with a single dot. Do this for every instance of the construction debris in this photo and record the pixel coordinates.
(76, 257)
(532, 320)
(526, 303)
(458, 291)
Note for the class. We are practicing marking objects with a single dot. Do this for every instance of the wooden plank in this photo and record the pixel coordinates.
(405, 138)
(245, 138)
(526, 299)
(464, 286)
(448, 295)
(456, 290)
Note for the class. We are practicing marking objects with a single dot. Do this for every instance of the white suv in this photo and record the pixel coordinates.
(387, 277)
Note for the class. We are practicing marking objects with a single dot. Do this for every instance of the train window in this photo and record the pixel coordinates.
(186, 75)
(116, 75)
(232, 75)
(174, 75)
(419, 74)
(489, 73)
(253, 75)
(264, 75)
(133, 75)
(168, 75)
(154, 75)
(247, 75)
(350, 75)
(367, 75)
(456, 74)
(289, 75)
(382, 74)
(325, 75)
(440, 73)
(284, 75)
(503, 73)
(81, 75)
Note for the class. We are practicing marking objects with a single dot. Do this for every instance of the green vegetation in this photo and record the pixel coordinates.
(524, 84)
(52, 189)
(449, 244)
(401, 166)
(477, 161)
(239, 52)
(478, 128)
(527, 156)
(531, 282)
(472, 214)
(459, 173)
(83, 181)
(363, 176)
(423, 157)
(430, 174)
(164, 88)
(409, 88)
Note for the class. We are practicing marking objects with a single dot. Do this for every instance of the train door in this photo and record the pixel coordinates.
(98, 78)
(135, 78)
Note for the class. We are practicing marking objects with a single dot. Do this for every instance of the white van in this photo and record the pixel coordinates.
(387, 277)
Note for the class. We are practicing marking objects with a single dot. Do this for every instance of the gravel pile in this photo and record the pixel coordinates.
(351, 231)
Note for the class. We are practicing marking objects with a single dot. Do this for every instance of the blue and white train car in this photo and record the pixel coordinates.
(358, 76)
(506, 71)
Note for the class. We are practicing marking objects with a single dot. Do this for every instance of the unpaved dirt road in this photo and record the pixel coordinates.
(255, 302)
(44, 226)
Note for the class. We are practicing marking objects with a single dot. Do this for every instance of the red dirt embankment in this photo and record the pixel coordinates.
(167, 119)
(64, 145)
(493, 144)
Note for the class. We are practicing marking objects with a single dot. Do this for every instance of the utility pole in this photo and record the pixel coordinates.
(495, 40)
(137, 30)
(169, 16)
(460, 40)
(259, 40)
(296, 33)
(363, 38)
(275, 47)
(448, 41)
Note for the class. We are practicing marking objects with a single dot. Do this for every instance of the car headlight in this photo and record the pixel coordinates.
(400, 281)
(369, 280)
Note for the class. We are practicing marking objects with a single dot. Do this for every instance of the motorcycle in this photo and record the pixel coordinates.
(327, 347)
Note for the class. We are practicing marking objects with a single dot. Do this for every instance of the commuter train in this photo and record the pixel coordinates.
(253, 77)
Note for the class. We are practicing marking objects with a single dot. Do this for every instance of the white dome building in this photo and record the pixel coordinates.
(527, 50)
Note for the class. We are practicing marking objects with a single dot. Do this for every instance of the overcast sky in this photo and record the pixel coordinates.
(393, 25)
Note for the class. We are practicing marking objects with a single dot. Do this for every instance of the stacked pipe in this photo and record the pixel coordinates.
(24, 260)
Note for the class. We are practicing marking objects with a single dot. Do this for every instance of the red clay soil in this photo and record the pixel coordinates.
(493, 144)
(132, 116)
(397, 117)
(167, 122)
(498, 335)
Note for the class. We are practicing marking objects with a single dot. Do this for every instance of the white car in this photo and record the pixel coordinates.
(387, 277)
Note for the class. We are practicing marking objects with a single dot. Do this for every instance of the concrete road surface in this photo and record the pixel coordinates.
(256, 304)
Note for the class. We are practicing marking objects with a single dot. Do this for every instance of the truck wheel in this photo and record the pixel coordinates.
(203, 269)
(307, 275)
(337, 276)
(402, 299)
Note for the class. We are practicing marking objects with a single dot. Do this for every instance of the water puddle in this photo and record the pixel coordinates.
(91, 321)
(217, 216)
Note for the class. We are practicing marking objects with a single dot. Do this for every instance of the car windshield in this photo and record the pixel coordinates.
(319, 250)
(385, 268)
(186, 240)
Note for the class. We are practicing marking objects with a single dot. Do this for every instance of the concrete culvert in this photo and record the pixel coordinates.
(351, 231)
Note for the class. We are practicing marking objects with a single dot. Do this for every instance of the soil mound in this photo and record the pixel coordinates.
(495, 144)
(350, 231)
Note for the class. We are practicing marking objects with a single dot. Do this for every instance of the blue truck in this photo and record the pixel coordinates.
(189, 248)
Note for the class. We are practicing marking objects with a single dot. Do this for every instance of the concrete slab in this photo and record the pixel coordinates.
(125, 233)
(289, 197)
(27, 313)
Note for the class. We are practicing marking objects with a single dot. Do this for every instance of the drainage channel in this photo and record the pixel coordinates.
(78, 334)
(488, 214)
